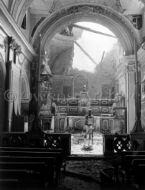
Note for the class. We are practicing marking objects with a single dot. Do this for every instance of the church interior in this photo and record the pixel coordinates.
(64, 127)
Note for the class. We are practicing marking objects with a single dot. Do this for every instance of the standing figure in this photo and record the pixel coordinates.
(89, 126)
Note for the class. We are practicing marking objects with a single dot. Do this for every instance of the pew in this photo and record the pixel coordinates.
(49, 151)
(37, 169)
(126, 166)
(56, 155)
(42, 149)
(38, 152)
(138, 171)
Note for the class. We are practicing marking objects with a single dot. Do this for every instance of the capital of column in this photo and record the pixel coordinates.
(129, 62)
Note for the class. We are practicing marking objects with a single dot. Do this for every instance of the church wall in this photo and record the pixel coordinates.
(131, 101)
(141, 58)
(21, 55)
(26, 31)
(2, 78)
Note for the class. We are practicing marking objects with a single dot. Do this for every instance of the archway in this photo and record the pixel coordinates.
(117, 23)
(104, 15)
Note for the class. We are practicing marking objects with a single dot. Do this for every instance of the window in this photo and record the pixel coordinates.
(24, 23)
(136, 20)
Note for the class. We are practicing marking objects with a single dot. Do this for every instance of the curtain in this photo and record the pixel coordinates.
(16, 89)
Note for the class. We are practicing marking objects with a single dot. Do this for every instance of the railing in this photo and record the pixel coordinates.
(117, 143)
(48, 141)
(113, 143)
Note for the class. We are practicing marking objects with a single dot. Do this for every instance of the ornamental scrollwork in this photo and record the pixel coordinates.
(85, 9)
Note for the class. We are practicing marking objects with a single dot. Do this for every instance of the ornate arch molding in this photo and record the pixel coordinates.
(113, 20)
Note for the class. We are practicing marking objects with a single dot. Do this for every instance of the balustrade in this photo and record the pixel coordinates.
(113, 143)
(48, 141)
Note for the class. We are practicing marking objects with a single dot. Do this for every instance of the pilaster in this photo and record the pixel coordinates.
(129, 62)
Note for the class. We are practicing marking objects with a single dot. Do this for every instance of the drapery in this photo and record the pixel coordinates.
(14, 93)
(16, 88)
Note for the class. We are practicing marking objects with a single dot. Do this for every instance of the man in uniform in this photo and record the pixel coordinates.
(89, 126)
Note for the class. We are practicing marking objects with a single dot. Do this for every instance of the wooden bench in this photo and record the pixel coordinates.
(138, 166)
(56, 155)
(37, 152)
(126, 167)
(44, 167)
(9, 184)
(42, 149)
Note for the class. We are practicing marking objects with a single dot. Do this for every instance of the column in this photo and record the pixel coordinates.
(133, 95)
(130, 76)
(8, 42)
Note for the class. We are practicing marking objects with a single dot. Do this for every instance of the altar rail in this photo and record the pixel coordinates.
(49, 141)
(113, 143)
(118, 143)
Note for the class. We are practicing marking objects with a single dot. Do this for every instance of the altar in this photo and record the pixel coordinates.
(102, 124)
(71, 115)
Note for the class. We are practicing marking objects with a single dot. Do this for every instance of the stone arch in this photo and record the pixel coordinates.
(104, 15)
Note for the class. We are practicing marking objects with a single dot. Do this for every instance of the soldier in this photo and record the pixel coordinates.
(89, 126)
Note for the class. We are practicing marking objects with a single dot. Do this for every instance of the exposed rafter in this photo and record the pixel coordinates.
(94, 31)
(82, 49)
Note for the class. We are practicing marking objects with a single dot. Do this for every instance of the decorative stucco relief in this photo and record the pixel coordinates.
(114, 4)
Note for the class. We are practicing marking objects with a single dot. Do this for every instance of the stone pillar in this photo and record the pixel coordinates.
(130, 73)
(133, 91)
(126, 81)
(8, 42)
